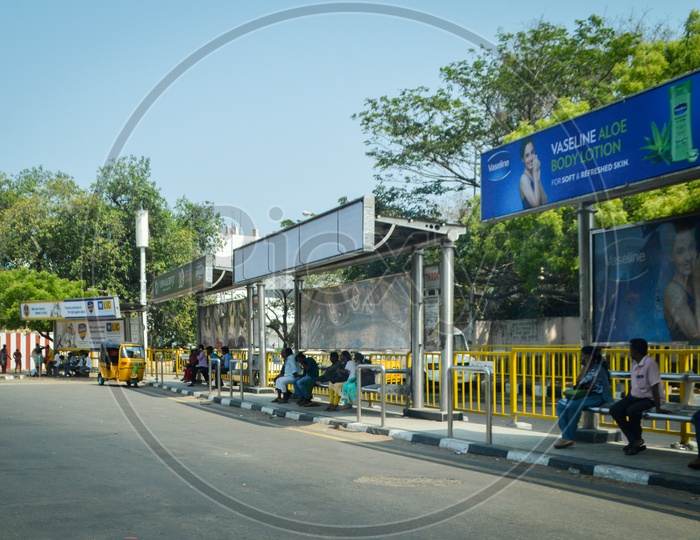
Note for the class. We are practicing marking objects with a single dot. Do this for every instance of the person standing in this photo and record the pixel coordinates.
(646, 391)
(18, 361)
(3, 358)
(37, 357)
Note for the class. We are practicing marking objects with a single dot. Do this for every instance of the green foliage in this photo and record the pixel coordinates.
(49, 224)
(425, 145)
(23, 285)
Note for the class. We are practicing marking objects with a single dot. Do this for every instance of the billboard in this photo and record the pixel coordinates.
(649, 135)
(334, 235)
(224, 324)
(78, 308)
(88, 334)
(643, 281)
(368, 315)
(191, 277)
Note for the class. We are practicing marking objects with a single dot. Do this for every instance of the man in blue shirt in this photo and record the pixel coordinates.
(303, 386)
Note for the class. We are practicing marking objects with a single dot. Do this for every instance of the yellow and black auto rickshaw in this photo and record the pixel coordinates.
(122, 362)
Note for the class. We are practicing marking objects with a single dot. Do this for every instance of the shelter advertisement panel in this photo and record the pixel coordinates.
(88, 334)
(76, 308)
(368, 315)
(224, 324)
(643, 281)
(188, 278)
(649, 135)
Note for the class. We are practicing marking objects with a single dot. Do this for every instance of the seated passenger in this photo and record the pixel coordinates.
(189, 367)
(202, 367)
(289, 372)
(337, 378)
(303, 386)
(214, 365)
(695, 464)
(594, 379)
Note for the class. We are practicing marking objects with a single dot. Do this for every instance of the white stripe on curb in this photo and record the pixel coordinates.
(527, 457)
(622, 474)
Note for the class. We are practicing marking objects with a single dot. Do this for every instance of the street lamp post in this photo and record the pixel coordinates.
(142, 244)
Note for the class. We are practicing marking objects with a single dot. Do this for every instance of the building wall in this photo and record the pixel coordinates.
(25, 342)
(549, 331)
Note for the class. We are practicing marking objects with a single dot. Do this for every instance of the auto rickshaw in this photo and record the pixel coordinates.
(122, 362)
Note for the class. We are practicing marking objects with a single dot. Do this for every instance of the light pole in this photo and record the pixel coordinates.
(142, 244)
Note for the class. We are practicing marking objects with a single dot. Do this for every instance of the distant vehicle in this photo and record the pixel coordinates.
(121, 362)
(462, 358)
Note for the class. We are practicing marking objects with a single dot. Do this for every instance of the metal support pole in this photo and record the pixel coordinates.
(142, 299)
(487, 397)
(198, 301)
(251, 337)
(585, 224)
(298, 287)
(382, 394)
(262, 339)
(417, 331)
(446, 318)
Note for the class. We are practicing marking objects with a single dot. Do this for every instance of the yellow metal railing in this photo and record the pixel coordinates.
(526, 381)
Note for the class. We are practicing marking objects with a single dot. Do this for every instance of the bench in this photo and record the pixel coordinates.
(681, 412)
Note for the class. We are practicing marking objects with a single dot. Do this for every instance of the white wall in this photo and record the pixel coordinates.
(549, 331)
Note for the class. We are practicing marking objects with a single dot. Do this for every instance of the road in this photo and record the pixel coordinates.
(82, 461)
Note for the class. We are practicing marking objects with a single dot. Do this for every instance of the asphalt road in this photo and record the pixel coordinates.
(82, 461)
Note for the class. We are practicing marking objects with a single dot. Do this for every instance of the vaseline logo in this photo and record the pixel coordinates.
(680, 109)
(498, 166)
(626, 259)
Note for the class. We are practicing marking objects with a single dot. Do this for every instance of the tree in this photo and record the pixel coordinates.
(526, 267)
(23, 285)
(432, 142)
(47, 223)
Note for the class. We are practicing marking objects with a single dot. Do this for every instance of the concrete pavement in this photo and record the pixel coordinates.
(660, 465)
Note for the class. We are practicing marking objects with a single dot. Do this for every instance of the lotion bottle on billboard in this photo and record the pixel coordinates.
(681, 123)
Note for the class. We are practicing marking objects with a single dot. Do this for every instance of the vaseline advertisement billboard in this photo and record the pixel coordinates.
(643, 281)
(651, 134)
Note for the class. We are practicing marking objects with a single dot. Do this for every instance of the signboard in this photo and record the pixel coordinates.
(224, 324)
(367, 315)
(88, 334)
(192, 277)
(643, 281)
(79, 308)
(334, 235)
(653, 134)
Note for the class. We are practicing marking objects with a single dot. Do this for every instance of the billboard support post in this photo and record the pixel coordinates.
(446, 318)
(585, 224)
(251, 337)
(417, 328)
(262, 348)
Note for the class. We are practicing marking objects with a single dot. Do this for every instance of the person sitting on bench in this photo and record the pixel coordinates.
(646, 391)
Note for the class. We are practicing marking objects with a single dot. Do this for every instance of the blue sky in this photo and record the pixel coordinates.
(261, 124)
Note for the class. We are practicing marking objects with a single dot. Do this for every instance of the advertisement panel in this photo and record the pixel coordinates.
(88, 334)
(649, 135)
(191, 277)
(644, 279)
(78, 308)
(224, 324)
(368, 315)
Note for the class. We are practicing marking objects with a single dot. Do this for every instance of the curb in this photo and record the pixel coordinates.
(459, 446)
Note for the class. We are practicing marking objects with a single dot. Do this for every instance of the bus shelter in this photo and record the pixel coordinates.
(348, 235)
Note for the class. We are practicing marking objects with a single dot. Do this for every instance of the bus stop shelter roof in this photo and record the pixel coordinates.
(376, 238)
